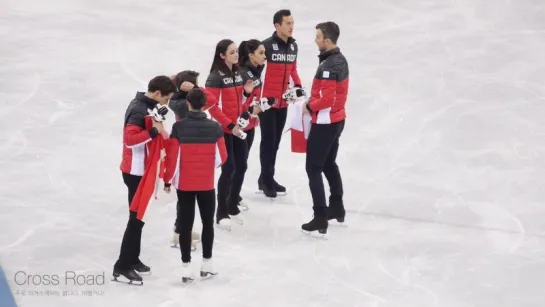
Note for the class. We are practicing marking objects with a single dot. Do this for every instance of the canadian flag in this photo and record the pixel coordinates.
(300, 128)
(149, 183)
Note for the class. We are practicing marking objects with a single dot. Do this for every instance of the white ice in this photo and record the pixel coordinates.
(442, 158)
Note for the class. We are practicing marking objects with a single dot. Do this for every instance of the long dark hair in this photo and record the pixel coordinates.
(245, 48)
(218, 63)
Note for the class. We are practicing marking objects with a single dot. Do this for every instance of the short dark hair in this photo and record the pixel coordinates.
(279, 16)
(163, 84)
(186, 75)
(329, 30)
(196, 98)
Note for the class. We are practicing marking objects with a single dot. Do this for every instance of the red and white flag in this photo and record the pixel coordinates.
(149, 183)
(300, 128)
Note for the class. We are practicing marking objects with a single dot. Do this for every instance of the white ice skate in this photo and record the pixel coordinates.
(225, 224)
(187, 274)
(175, 239)
(195, 239)
(237, 219)
(243, 206)
(207, 268)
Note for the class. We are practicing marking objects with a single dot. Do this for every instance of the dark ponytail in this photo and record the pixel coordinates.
(245, 48)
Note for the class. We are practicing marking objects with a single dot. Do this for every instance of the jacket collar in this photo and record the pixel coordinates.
(255, 70)
(142, 97)
(324, 55)
(196, 115)
(279, 40)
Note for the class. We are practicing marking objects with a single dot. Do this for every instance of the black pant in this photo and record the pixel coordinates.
(232, 176)
(130, 245)
(186, 216)
(272, 124)
(132, 182)
(250, 138)
(322, 148)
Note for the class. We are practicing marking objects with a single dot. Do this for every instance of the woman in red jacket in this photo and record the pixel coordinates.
(252, 59)
(226, 84)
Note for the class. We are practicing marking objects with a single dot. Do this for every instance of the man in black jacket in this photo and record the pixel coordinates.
(185, 81)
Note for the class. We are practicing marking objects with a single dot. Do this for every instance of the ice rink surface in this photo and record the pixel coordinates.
(443, 155)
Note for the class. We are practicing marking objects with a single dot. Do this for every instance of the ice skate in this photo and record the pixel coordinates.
(187, 274)
(175, 239)
(242, 205)
(195, 239)
(141, 268)
(128, 276)
(236, 216)
(316, 228)
(269, 192)
(207, 268)
(224, 223)
(280, 189)
(336, 215)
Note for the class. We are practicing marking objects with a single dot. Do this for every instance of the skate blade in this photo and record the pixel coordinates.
(315, 234)
(123, 280)
(207, 275)
(187, 280)
(222, 227)
(193, 247)
(336, 223)
(277, 193)
(236, 220)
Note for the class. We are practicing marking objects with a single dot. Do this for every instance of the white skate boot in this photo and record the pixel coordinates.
(195, 239)
(175, 239)
(187, 274)
(207, 268)
(225, 223)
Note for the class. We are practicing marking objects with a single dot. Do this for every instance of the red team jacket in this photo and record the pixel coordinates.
(195, 149)
(329, 88)
(228, 100)
(250, 72)
(136, 136)
(281, 68)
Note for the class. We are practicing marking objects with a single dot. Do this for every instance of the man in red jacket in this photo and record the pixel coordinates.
(137, 139)
(281, 68)
(327, 107)
(196, 148)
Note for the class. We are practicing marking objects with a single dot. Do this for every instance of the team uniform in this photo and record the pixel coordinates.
(178, 104)
(137, 138)
(327, 107)
(227, 103)
(253, 73)
(195, 149)
(280, 71)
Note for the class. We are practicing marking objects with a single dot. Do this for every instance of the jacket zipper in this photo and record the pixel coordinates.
(239, 102)
(284, 78)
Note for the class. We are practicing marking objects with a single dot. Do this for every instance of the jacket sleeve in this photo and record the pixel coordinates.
(172, 159)
(328, 87)
(134, 135)
(213, 91)
(295, 75)
(221, 152)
